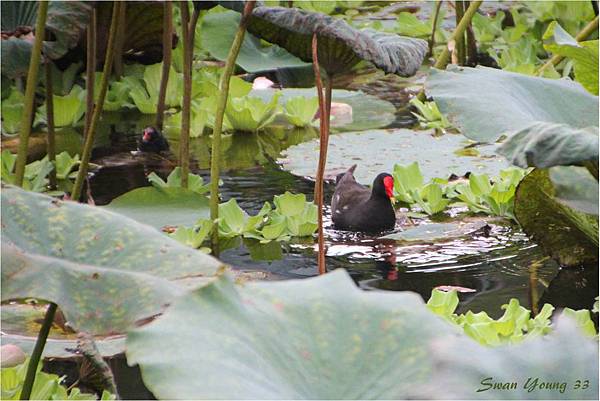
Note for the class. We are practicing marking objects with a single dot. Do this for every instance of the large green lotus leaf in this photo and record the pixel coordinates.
(66, 20)
(368, 112)
(584, 55)
(21, 324)
(377, 151)
(317, 338)
(569, 236)
(218, 30)
(566, 360)
(159, 207)
(105, 271)
(340, 46)
(544, 144)
(485, 103)
(576, 188)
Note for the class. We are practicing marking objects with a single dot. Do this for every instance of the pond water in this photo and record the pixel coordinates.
(496, 264)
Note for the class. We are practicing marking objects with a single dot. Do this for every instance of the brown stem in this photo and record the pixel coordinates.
(215, 153)
(51, 144)
(89, 136)
(324, 111)
(32, 79)
(90, 70)
(471, 43)
(120, 42)
(184, 142)
(166, 67)
(434, 27)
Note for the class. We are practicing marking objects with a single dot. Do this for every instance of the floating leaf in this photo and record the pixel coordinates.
(435, 232)
(377, 151)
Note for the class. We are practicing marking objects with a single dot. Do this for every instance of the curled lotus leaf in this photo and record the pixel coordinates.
(340, 46)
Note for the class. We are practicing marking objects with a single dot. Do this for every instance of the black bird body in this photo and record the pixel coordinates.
(152, 141)
(355, 207)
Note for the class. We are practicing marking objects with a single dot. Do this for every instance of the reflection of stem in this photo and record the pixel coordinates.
(324, 111)
(433, 29)
(90, 70)
(89, 136)
(32, 79)
(37, 351)
(533, 293)
(585, 32)
(51, 145)
(218, 127)
(167, 51)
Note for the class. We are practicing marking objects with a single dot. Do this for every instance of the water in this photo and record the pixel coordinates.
(497, 265)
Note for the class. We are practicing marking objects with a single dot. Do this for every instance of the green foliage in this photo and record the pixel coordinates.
(514, 326)
(234, 221)
(408, 24)
(195, 182)
(250, 114)
(193, 236)
(46, 386)
(68, 109)
(12, 110)
(300, 111)
(584, 55)
(429, 115)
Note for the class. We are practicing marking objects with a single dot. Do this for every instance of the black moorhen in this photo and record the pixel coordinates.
(355, 207)
(152, 141)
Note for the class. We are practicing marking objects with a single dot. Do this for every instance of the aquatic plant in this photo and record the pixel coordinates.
(300, 111)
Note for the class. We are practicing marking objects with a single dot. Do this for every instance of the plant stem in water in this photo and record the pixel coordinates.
(32, 79)
(434, 27)
(89, 136)
(37, 352)
(218, 128)
(460, 39)
(167, 52)
(51, 144)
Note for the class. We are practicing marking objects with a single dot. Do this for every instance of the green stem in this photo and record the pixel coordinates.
(37, 352)
(184, 142)
(89, 136)
(582, 35)
(32, 79)
(471, 43)
(90, 70)
(167, 52)
(51, 144)
(434, 27)
(460, 39)
(218, 128)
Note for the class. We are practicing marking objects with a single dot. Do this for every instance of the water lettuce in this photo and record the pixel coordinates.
(195, 182)
(12, 110)
(300, 111)
(68, 109)
(250, 114)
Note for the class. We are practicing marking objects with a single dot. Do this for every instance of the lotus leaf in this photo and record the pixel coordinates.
(485, 103)
(313, 338)
(74, 255)
(377, 151)
(340, 46)
(576, 188)
(435, 232)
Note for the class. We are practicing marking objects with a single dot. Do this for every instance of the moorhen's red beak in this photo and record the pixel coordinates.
(388, 183)
(147, 136)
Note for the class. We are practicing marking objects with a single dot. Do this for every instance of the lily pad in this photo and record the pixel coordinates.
(545, 145)
(218, 30)
(105, 271)
(569, 236)
(159, 207)
(377, 151)
(340, 46)
(318, 338)
(368, 112)
(485, 103)
(436, 231)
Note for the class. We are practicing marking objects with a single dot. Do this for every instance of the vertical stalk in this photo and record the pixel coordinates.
(51, 144)
(221, 104)
(167, 52)
(460, 40)
(184, 142)
(434, 27)
(37, 352)
(32, 79)
(120, 41)
(471, 46)
(325, 111)
(90, 70)
(89, 136)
